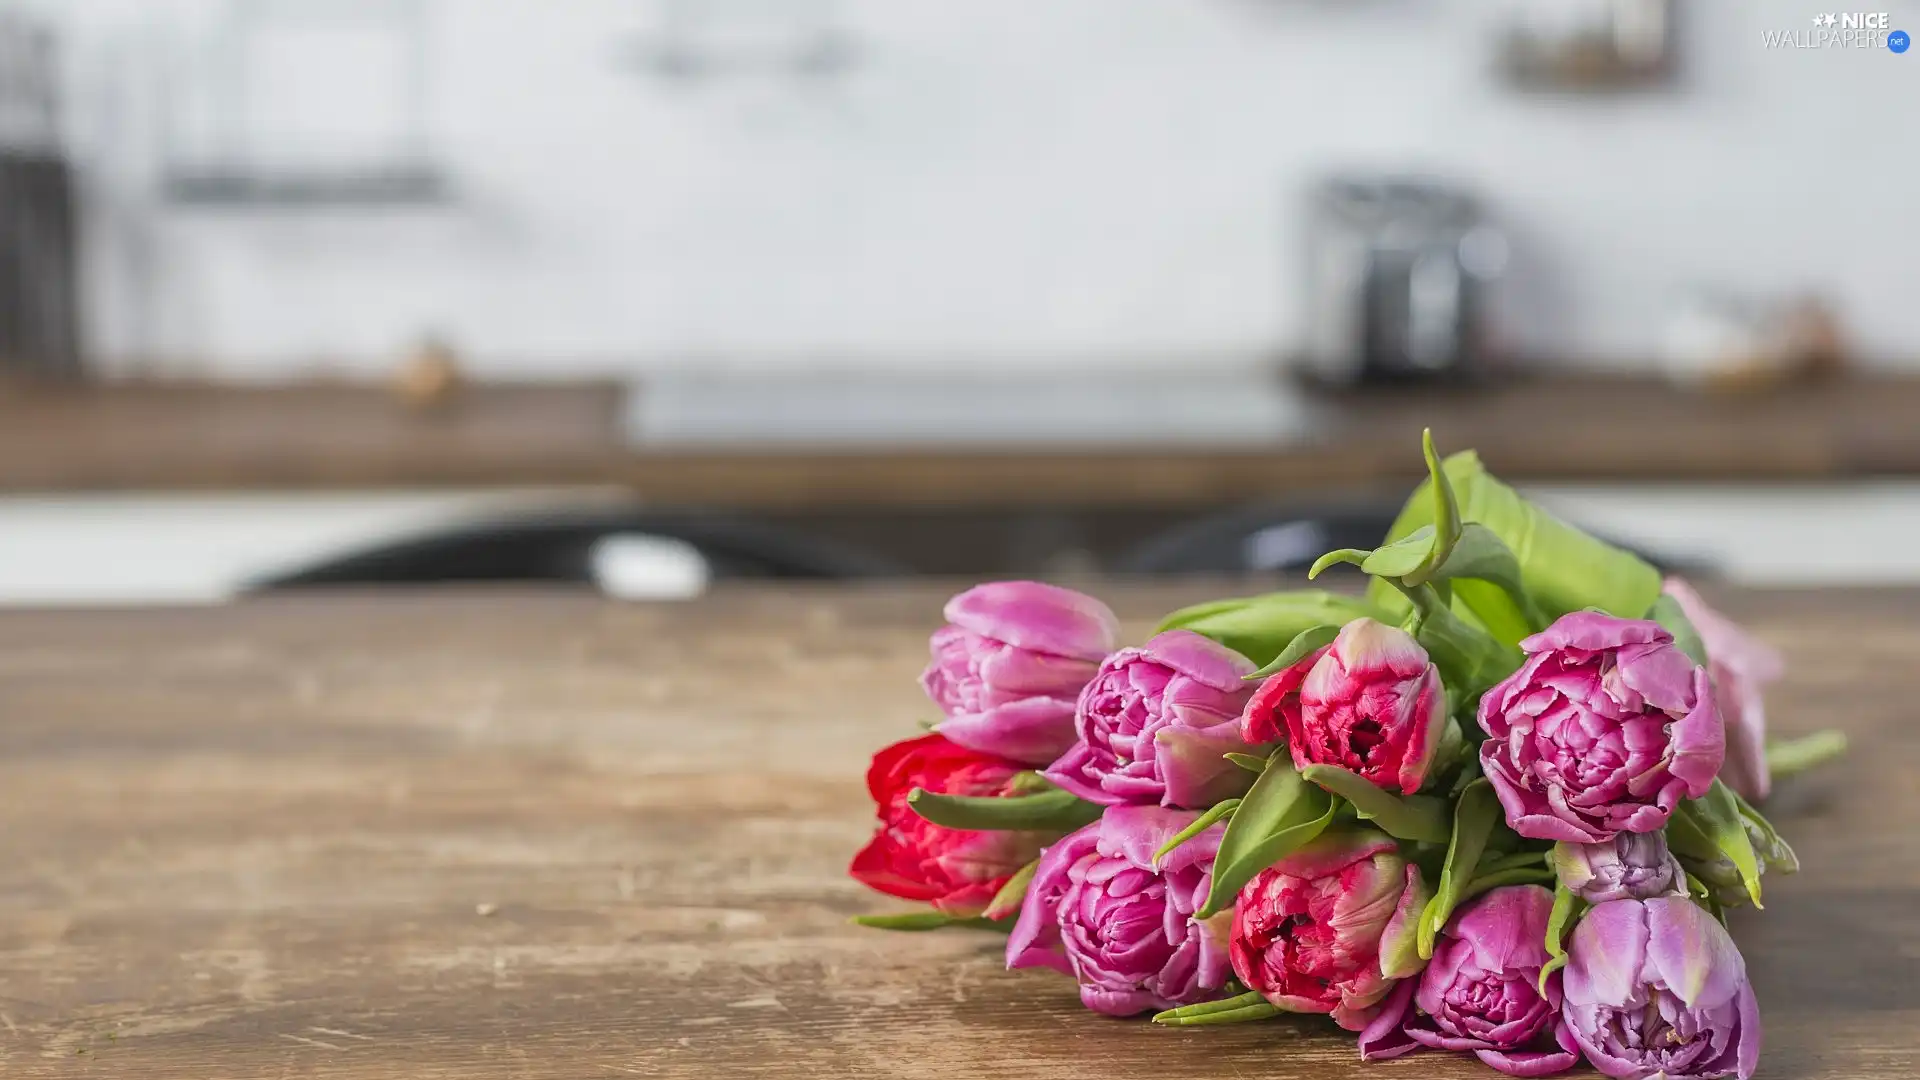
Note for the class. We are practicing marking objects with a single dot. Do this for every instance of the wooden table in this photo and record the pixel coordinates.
(478, 835)
(212, 437)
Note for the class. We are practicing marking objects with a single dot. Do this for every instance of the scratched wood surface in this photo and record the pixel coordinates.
(483, 835)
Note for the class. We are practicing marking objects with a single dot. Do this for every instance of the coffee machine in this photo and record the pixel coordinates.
(1397, 280)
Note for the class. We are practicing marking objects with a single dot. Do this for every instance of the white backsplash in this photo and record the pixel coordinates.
(1075, 182)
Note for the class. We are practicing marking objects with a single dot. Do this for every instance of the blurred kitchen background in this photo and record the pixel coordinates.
(641, 294)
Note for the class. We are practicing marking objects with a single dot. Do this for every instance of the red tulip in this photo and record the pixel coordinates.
(955, 870)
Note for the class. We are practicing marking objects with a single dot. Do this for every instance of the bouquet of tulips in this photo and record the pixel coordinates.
(1499, 804)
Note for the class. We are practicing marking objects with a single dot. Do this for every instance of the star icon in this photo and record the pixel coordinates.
(1819, 20)
(1828, 18)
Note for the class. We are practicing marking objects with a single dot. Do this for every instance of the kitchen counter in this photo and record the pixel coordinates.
(139, 437)
(500, 834)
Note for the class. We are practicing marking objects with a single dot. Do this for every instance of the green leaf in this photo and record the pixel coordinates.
(1051, 811)
(1260, 627)
(1519, 875)
(1446, 504)
(1790, 756)
(1562, 568)
(1224, 808)
(1517, 861)
(1481, 557)
(1666, 611)
(1280, 813)
(1403, 817)
(1473, 821)
(1403, 557)
(1558, 923)
(1349, 556)
(1006, 903)
(1304, 644)
(1775, 855)
(1717, 818)
(1470, 659)
(1233, 1010)
(1253, 763)
(926, 920)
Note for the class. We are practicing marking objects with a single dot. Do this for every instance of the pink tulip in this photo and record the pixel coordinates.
(1480, 992)
(1328, 928)
(1370, 703)
(1010, 664)
(1155, 723)
(1100, 908)
(1656, 988)
(1740, 665)
(1604, 729)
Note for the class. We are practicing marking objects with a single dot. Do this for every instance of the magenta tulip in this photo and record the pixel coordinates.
(1480, 992)
(1328, 928)
(1155, 723)
(1604, 729)
(1740, 665)
(1099, 909)
(1370, 703)
(1631, 866)
(1010, 664)
(1656, 988)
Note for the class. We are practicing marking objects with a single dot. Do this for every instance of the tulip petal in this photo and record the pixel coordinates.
(1365, 645)
(1607, 956)
(1385, 1035)
(1592, 631)
(1699, 740)
(1034, 615)
(1263, 720)
(1692, 952)
(1194, 765)
(1033, 731)
(1526, 1063)
(1136, 833)
(1199, 658)
(1035, 938)
(1506, 927)
(1400, 941)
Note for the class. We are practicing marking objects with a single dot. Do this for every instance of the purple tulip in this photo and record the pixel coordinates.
(1656, 988)
(1480, 991)
(1011, 663)
(1098, 909)
(1740, 665)
(1604, 729)
(1154, 725)
(1631, 866)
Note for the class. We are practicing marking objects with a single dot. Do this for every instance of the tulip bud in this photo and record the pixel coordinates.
(1313, 932)
(1605, 728)
(1010, 664)
(1657, 988)
(1631, 866)
(1370, 702)
(1155, 726)
(958, 871)
(1101, 908)
(1481, 991)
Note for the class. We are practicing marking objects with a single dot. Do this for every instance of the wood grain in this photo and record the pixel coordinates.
(257, 841)
(141, 437)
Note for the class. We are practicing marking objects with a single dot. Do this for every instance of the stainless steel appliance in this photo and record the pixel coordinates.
(1397, 276)
(38, 298)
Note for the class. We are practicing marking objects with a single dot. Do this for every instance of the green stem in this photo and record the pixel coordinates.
(1789, 756)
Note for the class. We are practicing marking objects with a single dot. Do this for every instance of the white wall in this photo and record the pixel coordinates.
(1082, 181)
